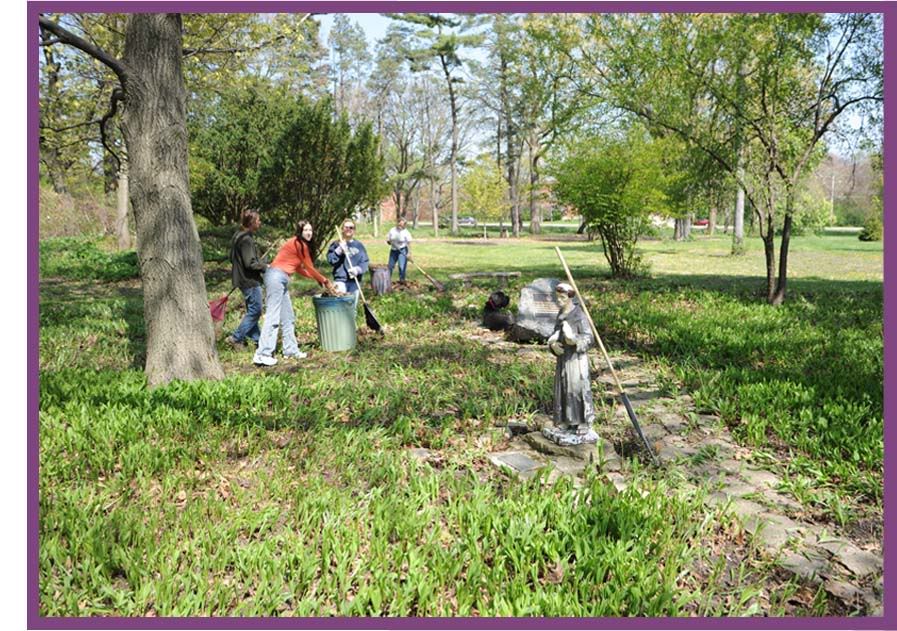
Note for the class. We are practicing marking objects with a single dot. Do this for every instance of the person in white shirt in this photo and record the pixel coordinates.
(399, 240)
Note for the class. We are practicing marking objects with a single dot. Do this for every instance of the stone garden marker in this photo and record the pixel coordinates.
(537, 311)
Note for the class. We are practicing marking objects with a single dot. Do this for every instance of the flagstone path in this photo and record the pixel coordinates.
(699, 450)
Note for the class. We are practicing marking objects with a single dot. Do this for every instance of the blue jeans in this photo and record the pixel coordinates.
(278, 315)
(249, 326)
(402, 257)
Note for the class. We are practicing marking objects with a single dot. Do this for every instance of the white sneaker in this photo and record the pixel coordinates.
(263, 360)
(297, 355)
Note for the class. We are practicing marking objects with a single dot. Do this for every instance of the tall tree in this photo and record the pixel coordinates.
(550, 101)
(440, 38)
(180, 338)
(350, 61)
(756, 92)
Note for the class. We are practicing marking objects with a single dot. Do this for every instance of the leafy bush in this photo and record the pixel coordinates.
(616, 183)
(812, 213)
(873, 230)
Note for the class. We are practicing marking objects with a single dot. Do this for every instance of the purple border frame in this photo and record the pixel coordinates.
(35, 621)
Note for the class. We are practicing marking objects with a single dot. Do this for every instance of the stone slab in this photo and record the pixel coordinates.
(654, 431)
(736, 488)
(674, 423)
(669, 453)
(421, 453)
(518, 461)
(809, 568)
(569, 466)
(761, 478)
(859, 562)
(617, 481)
(773, 531)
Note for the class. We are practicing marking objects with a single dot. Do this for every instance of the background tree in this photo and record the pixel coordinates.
(231, 149)
(616, 182)
(350, 64)
(757, 92)
(321, 170)
(440, 38)
(484, 191)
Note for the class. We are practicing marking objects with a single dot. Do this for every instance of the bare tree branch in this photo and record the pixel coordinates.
(117, 95)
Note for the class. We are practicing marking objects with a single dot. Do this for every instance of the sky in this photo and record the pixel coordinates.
(373, 24)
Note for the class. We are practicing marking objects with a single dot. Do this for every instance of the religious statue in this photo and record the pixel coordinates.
(574, 411)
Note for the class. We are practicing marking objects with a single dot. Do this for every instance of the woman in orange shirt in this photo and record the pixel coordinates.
(294, 257)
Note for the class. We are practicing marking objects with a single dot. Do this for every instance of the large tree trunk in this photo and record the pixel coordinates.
(180, 338)
(711, 222)
(122, 232)
(683, 228)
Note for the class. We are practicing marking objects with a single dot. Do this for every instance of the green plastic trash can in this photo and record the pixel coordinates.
(336, 322)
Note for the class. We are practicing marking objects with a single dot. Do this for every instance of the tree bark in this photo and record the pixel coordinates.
(435, 206)
(180, 337)
(535, 218)
(711, 222)
(778, 295)
(123, 233)
(738, 229)
(110, 173)
(454, 150)
(683, 228)
(769, 250)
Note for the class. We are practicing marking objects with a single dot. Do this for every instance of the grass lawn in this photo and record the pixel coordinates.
(292, 491)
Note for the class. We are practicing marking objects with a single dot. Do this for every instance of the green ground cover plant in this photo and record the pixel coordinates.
(292, 491)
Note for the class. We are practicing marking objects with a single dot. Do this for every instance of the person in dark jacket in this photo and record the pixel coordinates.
(348, 271)
(247, 270)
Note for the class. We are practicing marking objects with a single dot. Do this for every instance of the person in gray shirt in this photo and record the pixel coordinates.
(246, 274)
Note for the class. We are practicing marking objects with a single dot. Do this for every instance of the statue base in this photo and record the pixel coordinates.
(567, 437)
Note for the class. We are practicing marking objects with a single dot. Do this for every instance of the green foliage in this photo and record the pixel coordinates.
(616, 183)
(231, 146)
(81, 258)
(811, 213)
(321, 170)
(303, 471)
(750, 365)
(873, 230)
(484, 191)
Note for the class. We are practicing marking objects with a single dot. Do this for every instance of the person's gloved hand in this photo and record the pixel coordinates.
(354, 271)
(569, 336)
(338, 250)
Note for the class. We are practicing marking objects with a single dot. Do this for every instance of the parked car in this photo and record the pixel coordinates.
(464, 222)
(700, 222)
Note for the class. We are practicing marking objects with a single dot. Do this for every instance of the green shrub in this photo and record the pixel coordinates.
(873, 230)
